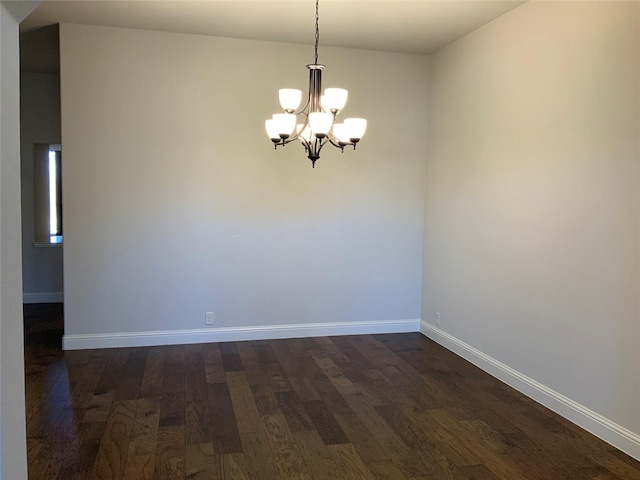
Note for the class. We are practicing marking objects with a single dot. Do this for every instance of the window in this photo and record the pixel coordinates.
(47, 176)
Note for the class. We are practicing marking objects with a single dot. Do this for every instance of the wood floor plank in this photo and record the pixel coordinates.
(320, 460)
(34, 444)
(170, 461)
(296, 347)
(234, 467)
(131, 375)
(174, 377)
(201, 461)
(379, 386)
(57, 459)
(436, 453)
(144, 435)
(402, 375)
(347, 355)
(99, 408)
(47, 410)
(112, 455)
(626, 469)
(259, 457)
(294, 411)
(197, 409)
(139, 467)
(264, 353)
(365, 443)
(90, 437)
(599, 473)
(224, 427)
(153, 377)
(248, 355)
(47, 463)
(288, 459)
(195, 379)
(294, 367)
(40, 376)
(231, 361)
(141, 453)
(172, 409)
(349, 462)
(277, 378)
(477, 472)
(197, 422)
(264, 398)
(355, 395)
(398, 444)
(214, 372)
(175, 354)
(256, 375)
(485, 434)
(498, 464)
(421, 431)
(331, 396)
(544, 432)
(247, 416)
(325, 423)
(88, 378)
(385, 470)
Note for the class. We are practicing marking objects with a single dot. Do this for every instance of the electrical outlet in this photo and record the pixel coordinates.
(208, 318)
(437, 319)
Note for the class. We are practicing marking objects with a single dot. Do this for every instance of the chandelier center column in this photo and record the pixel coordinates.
(315, 86)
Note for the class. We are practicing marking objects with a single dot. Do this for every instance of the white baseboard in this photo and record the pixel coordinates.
(43, 297)
(235, 334)
(618, 436)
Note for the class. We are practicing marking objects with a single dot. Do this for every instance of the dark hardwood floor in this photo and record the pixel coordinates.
(357, 407)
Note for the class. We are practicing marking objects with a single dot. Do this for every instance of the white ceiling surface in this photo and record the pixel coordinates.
(404, 26)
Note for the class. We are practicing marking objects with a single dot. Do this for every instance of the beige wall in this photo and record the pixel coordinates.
(13, 460)
(532, 194)
(39, 123)
(175, 202)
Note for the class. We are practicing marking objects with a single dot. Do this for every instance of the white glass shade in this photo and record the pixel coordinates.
(341, 133)
(334, 99)
(272, 128)
(320, 122)
(290, 99)
(355, 127)
(285, 123)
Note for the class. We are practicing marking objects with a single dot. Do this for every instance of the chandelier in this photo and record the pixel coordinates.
(318, 125)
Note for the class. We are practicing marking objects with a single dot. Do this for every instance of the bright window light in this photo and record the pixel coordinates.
(53, 194)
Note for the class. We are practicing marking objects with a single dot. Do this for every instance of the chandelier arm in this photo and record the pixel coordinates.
(287, 141)
(318, 143)
(338, 144)
(303, 110)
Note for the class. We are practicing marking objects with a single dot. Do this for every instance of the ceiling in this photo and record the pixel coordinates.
(403, 26)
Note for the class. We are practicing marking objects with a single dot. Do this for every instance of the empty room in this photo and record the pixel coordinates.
(213, 267)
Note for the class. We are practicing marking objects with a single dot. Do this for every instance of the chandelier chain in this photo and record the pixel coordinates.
(317, 32)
